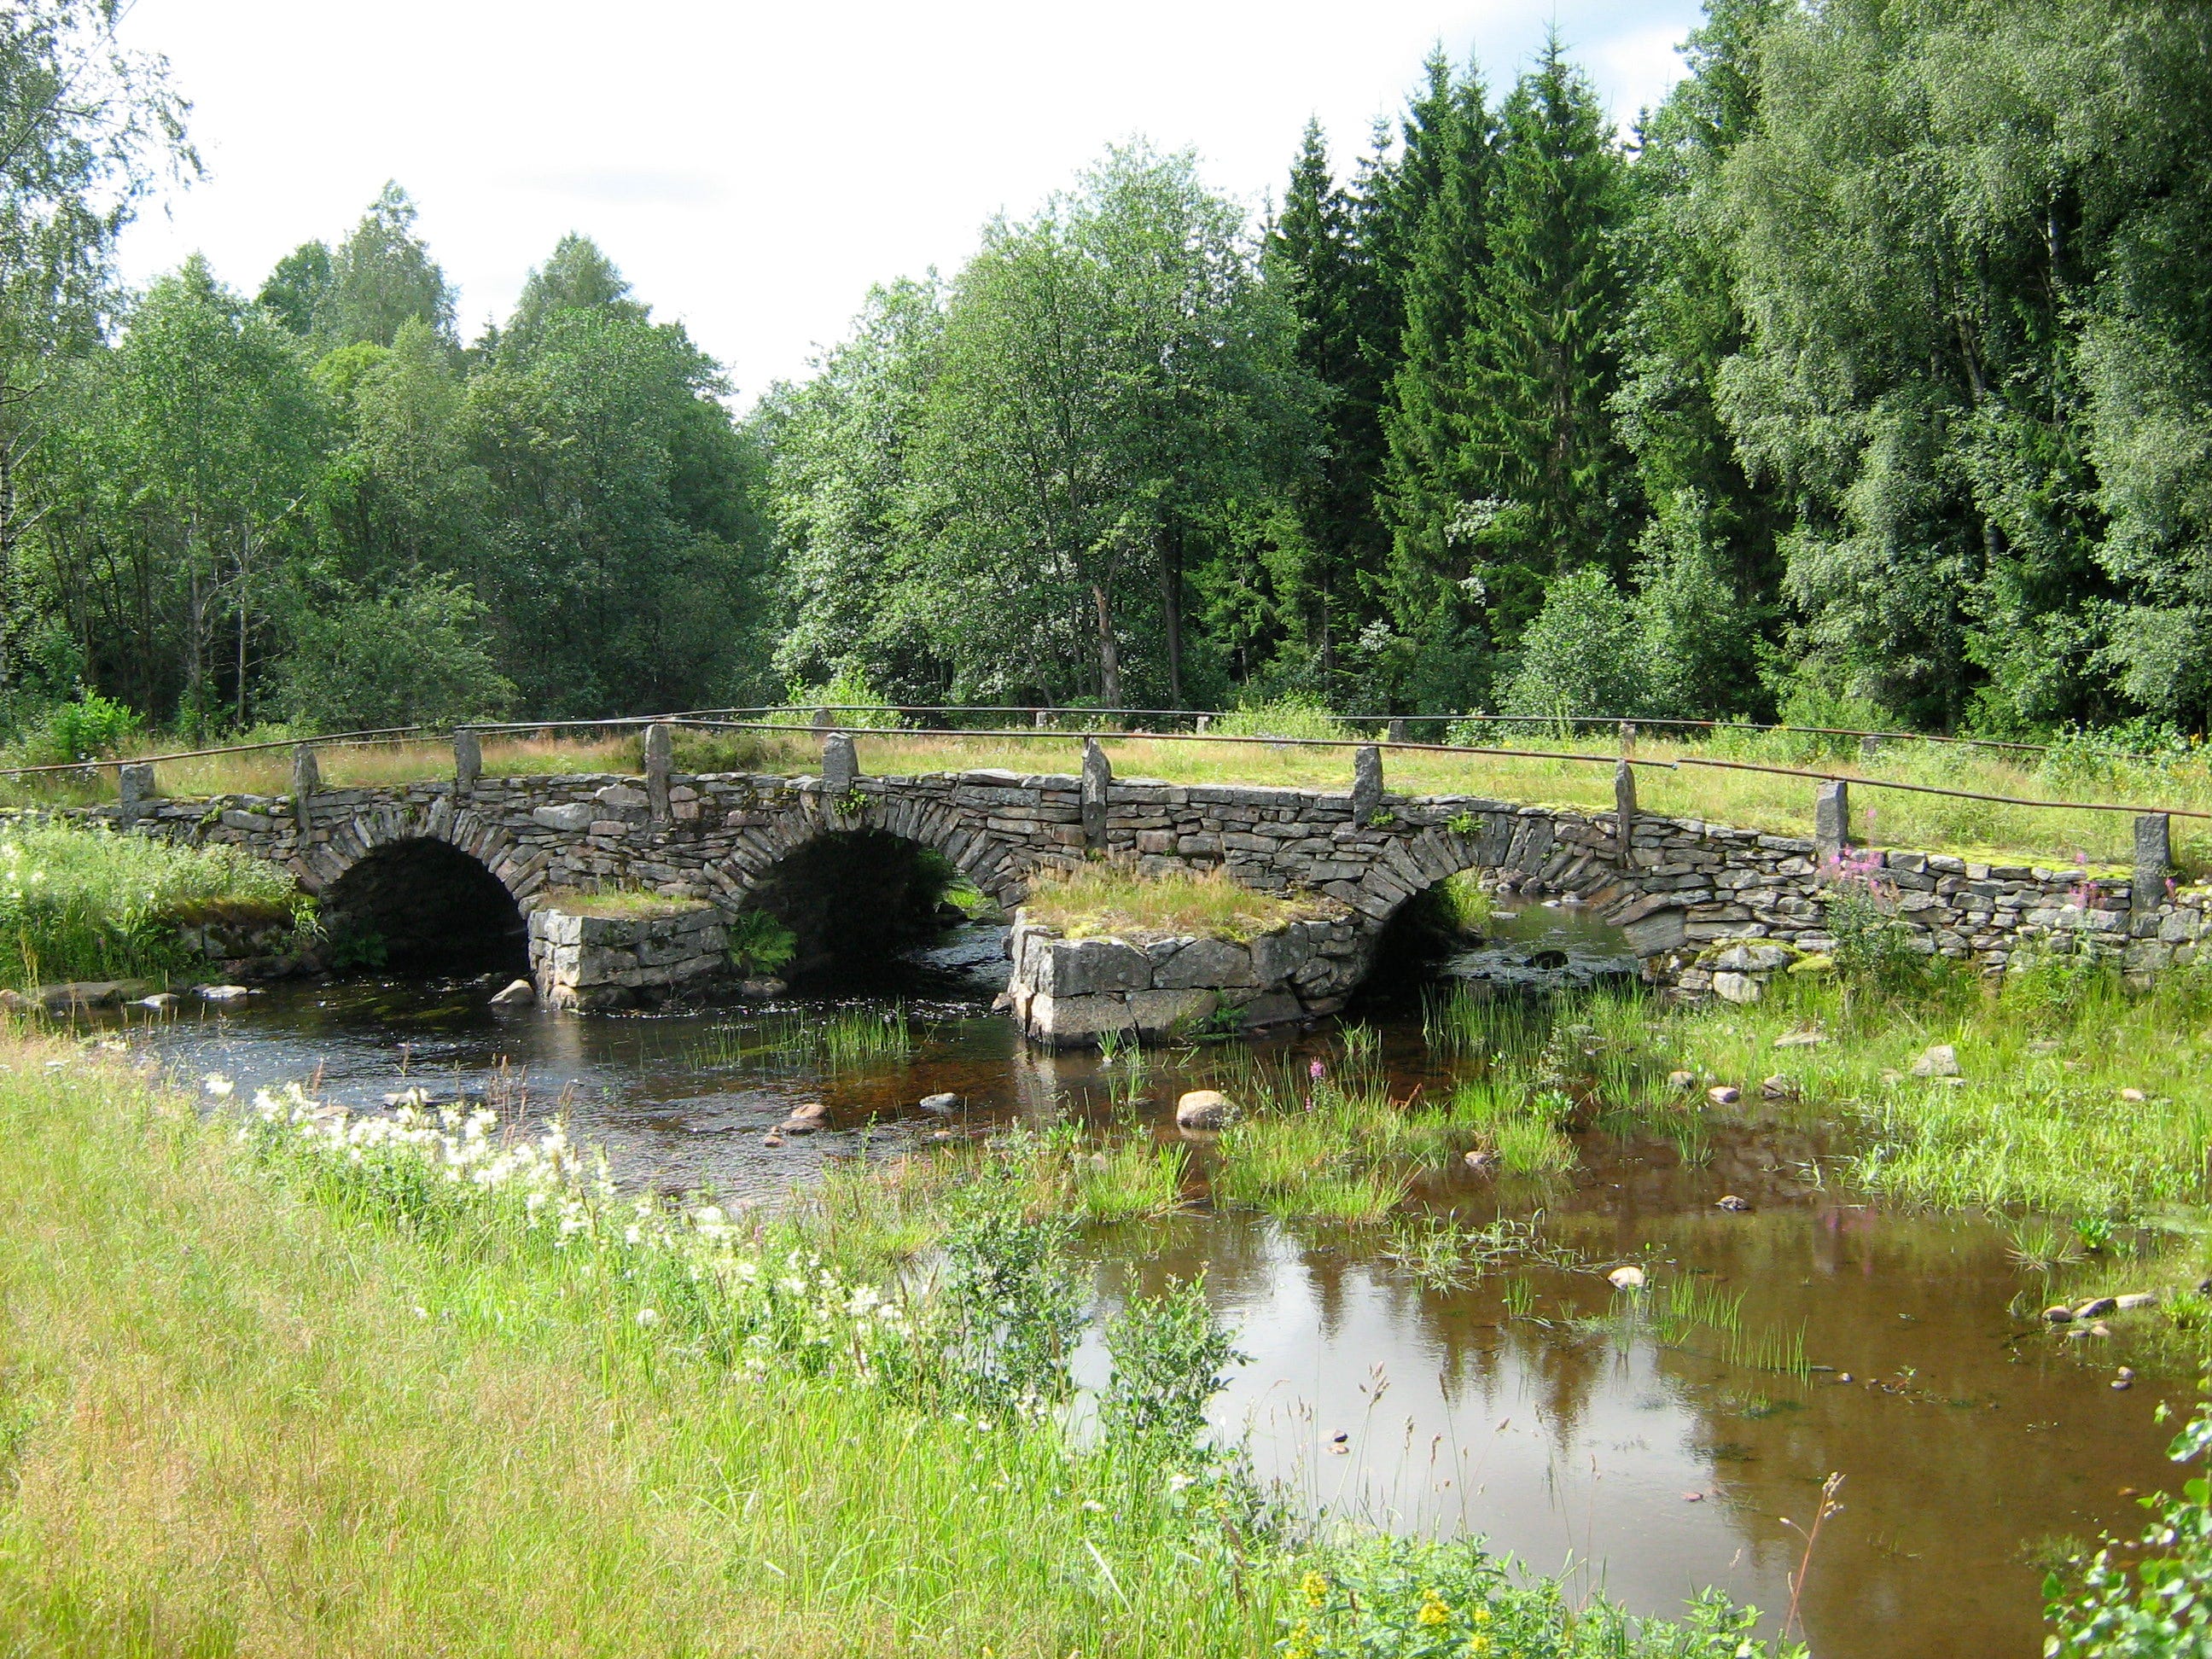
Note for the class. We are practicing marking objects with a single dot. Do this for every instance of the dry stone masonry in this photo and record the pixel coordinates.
(1708, 910)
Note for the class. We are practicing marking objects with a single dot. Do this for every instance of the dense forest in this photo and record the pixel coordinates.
(1870, 375)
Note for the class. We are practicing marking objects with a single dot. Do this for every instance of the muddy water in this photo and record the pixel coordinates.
(1523, 1405)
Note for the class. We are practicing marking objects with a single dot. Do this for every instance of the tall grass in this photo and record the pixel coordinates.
(88, 904)
(849, 1040)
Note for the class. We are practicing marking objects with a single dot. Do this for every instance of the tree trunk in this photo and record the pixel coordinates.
(1110, 655)
(1171, 607)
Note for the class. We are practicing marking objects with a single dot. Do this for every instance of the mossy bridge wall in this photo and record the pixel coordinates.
(1705, 909)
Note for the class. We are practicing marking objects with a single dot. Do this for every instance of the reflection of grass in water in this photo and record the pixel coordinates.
(850, 1039)
(1442, 1255)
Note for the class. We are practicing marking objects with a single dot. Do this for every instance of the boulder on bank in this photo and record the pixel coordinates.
(1204, 1109)
(1937, 1059)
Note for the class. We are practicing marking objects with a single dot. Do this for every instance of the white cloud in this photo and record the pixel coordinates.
(753, 166)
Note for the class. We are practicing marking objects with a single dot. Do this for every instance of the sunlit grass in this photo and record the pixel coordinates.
(1131, 1181)
(1104, 898)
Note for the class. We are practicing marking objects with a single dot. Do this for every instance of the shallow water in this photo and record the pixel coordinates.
(1525, 1405)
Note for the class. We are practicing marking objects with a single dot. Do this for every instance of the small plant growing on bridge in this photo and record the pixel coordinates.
(760, 945)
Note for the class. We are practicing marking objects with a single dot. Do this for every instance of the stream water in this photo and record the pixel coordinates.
(1518, 1405)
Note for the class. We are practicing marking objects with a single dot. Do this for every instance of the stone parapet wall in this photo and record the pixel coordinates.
(1067, 993)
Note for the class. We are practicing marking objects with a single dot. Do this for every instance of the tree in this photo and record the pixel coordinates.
(381, 277)
(413, 655)
(298, 287)
(87, 129)
(577, 278)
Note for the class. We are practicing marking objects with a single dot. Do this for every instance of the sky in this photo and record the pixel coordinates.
(753, 168)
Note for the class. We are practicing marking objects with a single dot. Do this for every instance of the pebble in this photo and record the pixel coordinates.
(1730, 1201)
(941, 1105)
(2100, 1328)
(2123, 1382)
(1725, 1094)
(1626, 1278)
(1779, 1087)
(1682, 1081)
(1800, 1039)
(2059, 1314)
(1842, 1377)
(2097, 1307)
(771, 1138)
(1937, 1059)
(2133, 1094)
(1479, 1159)
(222, 993)
(2126, 1373)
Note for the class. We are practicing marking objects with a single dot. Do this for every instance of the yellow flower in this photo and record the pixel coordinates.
(1316, 1588)
(1479, 1613)
(1433, 1609)
(1301, 1643)
(1478, 1644)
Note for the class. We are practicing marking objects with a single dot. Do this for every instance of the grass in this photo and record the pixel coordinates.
(260, 1398)
(1777, 805)
(1104, 898)
(619, 904)
(849, 1040)
(91, 904)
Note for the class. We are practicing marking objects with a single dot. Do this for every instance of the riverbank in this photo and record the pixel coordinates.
(262, 1398)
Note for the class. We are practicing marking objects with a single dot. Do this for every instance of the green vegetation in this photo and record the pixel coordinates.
(2144, 1598)
(618, 903)
(849, 1040)
(761, 944)
(1102, 898)
(91, 904)
(280, 1330)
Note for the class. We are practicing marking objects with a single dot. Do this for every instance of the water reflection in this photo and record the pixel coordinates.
(1524, 1405)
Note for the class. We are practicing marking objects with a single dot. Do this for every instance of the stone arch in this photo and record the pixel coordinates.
(1530, 851)
(478, 835)
(991, 864)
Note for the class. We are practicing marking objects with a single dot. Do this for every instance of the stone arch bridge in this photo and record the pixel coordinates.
(1705, 909)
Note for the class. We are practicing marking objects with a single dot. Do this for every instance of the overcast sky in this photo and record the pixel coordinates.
(753, 168)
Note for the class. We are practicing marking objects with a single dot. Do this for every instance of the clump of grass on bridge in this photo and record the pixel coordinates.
(1105, 897)
(287, 1388)
(88, 904)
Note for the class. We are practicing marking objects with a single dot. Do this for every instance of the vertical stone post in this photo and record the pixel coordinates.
(1205, 722)
(1396, 732)
(2153, 861)
(660, 762)
(468, 761)
(1870, 746)
(1628, 740)
(1831, 818)
(1366, 782)
(1624, 811)
(306, 779)
(1043, 718)
(1097, 783)
(841, 764)
(822, 720)
(134, 788)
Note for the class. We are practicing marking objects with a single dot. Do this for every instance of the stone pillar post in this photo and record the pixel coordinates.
(1043, 718)
(306, 779)
(134, 787)
(1366, 782)
(822, 720)
(1624, 811)
(840, 765)
(1205, 722)
(1831, 818)
(1098, 782)
(660, 762)
(1628, 740)
(1396, 732)
(468, 761)
(2153, 861)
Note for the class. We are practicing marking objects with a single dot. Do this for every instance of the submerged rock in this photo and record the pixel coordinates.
(1724, 1094)
(518, 993)
(1204, 1109)
(221, 993)
(1779, 1087)
(1681, 1082)
(805, 1120)
(1803, 1037)
(1626, 1278)
(1730, 1201)
(941, 1105)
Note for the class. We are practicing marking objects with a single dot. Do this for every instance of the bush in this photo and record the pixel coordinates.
(1583, 655)
(1168, 1356)
(2162, 1607)
(411, 657)
(92, 728)
(1286, 717)
(857, 705)
(759, 944)
(1875, 950)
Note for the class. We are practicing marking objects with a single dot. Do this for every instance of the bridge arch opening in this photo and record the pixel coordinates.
(1527, 938)
(855, 902)
(424, 907)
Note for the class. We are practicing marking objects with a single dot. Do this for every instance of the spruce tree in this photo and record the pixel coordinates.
(1542, 351)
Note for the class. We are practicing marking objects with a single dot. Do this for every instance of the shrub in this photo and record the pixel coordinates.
(2162, 1607)
(1583, 655)
(1875, 950)
(92, 728)
(1168, 1354)
(1286, 717)
(857, 705)
(759, 944)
